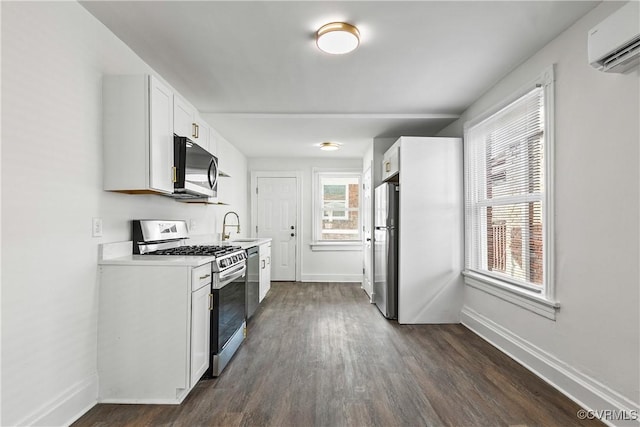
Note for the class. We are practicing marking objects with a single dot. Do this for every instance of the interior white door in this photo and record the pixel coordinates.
(367, 212)
(277, 207)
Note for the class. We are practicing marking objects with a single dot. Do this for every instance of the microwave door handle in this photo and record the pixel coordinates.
(212, 175)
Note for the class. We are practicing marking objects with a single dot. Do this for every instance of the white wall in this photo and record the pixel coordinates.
(53, 58)
(232, 189)
(317, 265)
(595, 337)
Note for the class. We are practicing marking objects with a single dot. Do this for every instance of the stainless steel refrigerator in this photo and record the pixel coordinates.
(386, 227)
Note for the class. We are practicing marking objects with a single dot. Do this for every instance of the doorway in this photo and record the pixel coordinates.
(276, 215)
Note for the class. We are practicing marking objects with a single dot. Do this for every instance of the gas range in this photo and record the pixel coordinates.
(167, 237)
(227, 298)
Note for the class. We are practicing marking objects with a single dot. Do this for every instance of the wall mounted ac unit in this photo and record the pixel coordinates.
(614, 44)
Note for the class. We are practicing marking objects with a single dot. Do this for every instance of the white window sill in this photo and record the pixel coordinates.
(520, 297)
(336, 246)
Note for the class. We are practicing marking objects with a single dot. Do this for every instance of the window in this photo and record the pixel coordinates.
(507, 197)
(337, 207)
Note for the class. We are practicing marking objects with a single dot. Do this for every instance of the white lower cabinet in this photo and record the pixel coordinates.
(265, 269)
(153, 332)
(200, 327)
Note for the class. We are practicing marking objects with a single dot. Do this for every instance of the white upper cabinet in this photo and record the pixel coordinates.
(184, 118)
(391, 163)
(214, 137)
(202, 134)
(138, 135)
(187, 122)
(161, 136)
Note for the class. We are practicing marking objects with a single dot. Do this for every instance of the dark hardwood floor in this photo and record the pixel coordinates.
(318, 354)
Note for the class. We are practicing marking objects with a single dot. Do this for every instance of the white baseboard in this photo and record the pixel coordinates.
(332, 278)
(579, 387)
(70, 405)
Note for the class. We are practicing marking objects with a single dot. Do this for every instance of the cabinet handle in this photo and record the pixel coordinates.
(387, 167)
(194, 131)
(210, 302)
(263, 264)
(175, 174)
(268, 260)
(205, 276)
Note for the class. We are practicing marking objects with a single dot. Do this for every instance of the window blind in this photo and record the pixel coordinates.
(504, 176)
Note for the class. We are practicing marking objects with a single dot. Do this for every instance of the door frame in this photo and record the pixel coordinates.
(254, 208)
(371, 257)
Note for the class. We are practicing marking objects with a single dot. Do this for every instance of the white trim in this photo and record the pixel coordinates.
(546, 305)
(116, 401)
(366, 116)
(520, 297)
(67, 407)
(316, 175)
(548, 222)
(332, 278)
(577, 386)
(336, 246)
(254, 211)
(545, 78)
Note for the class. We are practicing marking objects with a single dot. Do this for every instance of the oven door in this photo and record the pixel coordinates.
(228, 315)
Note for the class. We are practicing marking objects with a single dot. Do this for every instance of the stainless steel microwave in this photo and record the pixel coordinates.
(196, 170)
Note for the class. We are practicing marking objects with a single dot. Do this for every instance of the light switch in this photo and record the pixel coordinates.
(97, 227)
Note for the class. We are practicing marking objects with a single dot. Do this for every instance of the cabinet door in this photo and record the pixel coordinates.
(202, 132)
(391, 162)
(199, 333)
(213, 141)
(183, 118)
(160, 136)
(265, 270)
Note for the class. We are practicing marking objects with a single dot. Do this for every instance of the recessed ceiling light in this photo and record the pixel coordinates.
(337, 38)
(329, 146)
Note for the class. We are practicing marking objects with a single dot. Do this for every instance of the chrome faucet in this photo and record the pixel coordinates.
(225, 235)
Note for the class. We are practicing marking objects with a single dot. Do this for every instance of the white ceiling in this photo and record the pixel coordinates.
(253, 68)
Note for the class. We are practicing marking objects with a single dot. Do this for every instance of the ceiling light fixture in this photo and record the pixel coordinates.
(337, 38)
(329, 146)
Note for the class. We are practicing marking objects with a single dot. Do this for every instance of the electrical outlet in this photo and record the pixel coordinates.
(192, 225)
(97, 227)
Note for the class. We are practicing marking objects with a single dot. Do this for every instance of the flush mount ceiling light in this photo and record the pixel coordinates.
(329, 146)
(337, 38)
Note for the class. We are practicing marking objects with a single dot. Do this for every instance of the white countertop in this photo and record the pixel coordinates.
(121, 253)
(249, 242)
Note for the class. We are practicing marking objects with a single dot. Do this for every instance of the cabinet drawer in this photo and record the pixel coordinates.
(200, 276)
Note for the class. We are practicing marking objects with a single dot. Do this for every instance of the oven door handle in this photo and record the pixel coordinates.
(229, 276)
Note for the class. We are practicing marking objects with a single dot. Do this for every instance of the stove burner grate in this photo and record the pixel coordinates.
(216, 251)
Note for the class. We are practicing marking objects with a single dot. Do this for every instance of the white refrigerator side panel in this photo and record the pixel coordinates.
(430, 285)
